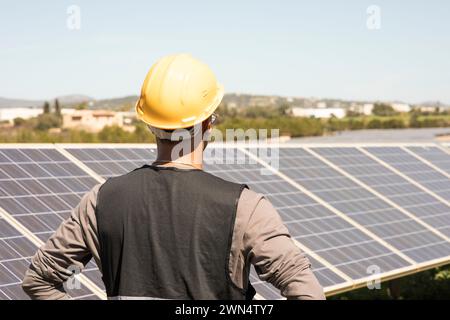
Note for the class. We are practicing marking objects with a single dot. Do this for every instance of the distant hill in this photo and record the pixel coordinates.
(18, 103)
(122, 103)
(233, 100)
(73, 99)
(66, 101)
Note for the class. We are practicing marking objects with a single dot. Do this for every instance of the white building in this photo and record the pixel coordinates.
(318, 112)
(91, 120)
(321, 105)
(401, 107)
(9, 114)
(428, 109)
(365, 109)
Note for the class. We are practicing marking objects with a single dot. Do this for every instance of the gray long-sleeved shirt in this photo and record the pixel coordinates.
(259, 238)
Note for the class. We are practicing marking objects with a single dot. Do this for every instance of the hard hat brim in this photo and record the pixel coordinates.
(180, 125)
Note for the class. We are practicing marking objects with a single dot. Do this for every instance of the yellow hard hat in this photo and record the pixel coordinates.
(178, 92)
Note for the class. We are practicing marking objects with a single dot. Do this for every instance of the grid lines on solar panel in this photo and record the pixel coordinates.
(361, 205)
(39, 188)
(410, 237)
(415, 169)
(434, 155)
(409, 196)
(358, 203)
(313, 225)
(16, 252)
(110, 162)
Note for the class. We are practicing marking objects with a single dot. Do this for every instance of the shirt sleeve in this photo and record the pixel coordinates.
(70, 248)
(268, 245)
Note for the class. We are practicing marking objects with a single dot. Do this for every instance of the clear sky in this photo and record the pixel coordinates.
(294, 48)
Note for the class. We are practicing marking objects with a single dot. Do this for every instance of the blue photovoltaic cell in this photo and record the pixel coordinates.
(39, 188)
(110, 162)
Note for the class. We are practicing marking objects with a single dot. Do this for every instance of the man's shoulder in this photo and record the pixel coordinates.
(248, 201)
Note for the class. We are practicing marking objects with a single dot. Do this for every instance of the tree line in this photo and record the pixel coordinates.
(39, 129)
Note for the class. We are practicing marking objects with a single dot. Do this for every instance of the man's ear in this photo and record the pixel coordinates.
(206, 125)
(206, 130)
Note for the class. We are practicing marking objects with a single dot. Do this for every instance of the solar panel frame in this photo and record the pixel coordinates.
(331, 290)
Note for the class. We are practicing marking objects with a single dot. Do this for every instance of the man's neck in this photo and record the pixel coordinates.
(183, 153)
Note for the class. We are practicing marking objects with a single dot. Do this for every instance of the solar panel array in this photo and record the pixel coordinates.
(354, 210)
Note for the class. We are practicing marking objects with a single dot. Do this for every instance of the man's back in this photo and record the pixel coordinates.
(259, 237)
(166, 233)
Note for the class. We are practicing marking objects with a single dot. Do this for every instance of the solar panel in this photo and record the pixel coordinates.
(401, 192)
(351, 200)
(278, 193)
(415, 169)
(39, 188)
(388, 222)
(409, 196)
(434, 155)
(15, 253)
(110, 162)
(349, 208)
(233, 172)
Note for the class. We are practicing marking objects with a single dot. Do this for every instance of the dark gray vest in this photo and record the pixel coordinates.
(166, 233)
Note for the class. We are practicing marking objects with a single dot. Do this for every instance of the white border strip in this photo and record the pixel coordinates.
(444, 148)
(38, 243)
(80, 164)
(324, 262)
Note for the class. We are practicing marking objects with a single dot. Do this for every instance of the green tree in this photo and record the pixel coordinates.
(374, 124)
(81, 106)
(383, 110)
(57, 108)
(18, 122)
(46, 107)
(46, 121)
